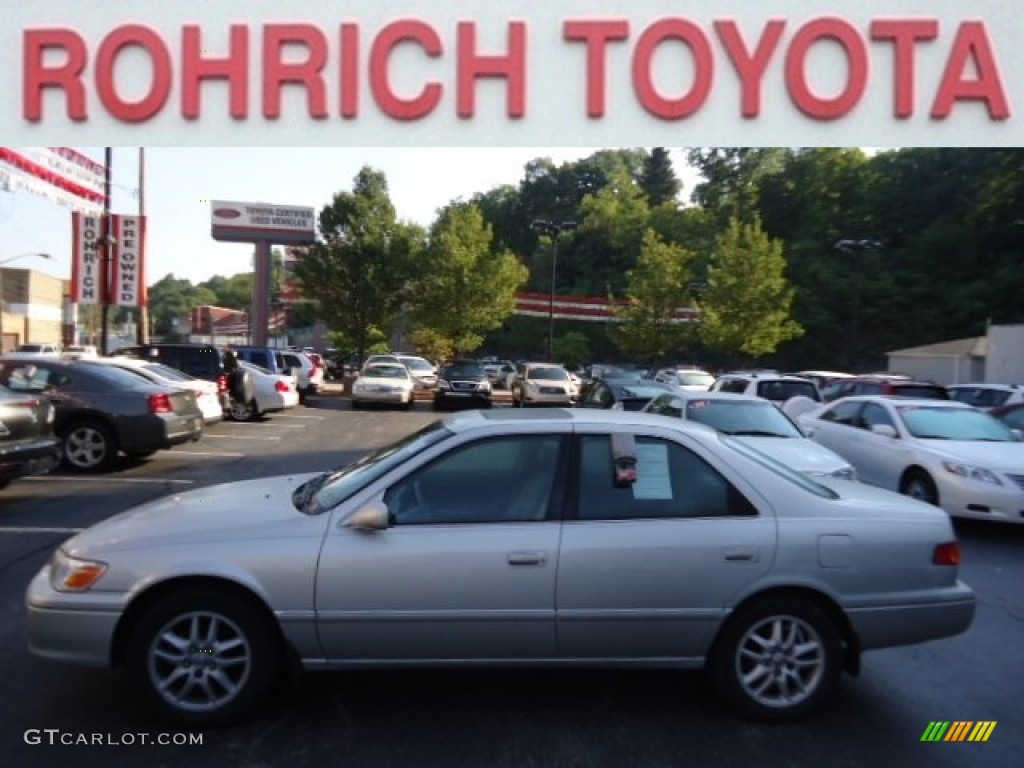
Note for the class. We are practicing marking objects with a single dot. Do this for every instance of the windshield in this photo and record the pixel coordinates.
(742, 418)
(386, 372)
(166, 372)
(953, 424)
(417, 364)
(696, 379)
(463, 370)
(331, 488)
(548, 374)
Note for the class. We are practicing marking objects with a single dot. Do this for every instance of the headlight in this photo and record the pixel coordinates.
(69, 574)
(980, 474)
(484, 386)
(444, 384)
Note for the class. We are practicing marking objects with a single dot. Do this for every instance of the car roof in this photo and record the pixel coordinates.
(689, 394)
(467, 421)
(985, 385)
(899, 400)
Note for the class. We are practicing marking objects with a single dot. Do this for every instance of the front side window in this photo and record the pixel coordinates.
(672, 481)
(843, 413)
(874, 415)
(498, 480)
(734, 386)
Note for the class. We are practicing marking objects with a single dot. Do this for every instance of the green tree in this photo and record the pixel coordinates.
(746, 304)
(172, 298)
(658, 178)
(659, 285)
(463, 289)
(360, 270)
(571, 349)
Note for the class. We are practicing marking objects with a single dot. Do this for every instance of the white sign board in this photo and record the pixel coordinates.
(249, 222)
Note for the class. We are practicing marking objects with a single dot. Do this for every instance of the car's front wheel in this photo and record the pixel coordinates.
(204, 657)
(777, 659)
(918, 485)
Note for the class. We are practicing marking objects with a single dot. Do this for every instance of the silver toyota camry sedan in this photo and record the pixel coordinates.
(509, 537)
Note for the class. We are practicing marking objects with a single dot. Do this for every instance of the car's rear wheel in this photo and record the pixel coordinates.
(777, 659)
(204, 657)
(243, 411)
(89, 446)
(918, 485)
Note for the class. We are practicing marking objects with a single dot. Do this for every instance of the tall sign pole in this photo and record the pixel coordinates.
(106, 250)
(142, 327)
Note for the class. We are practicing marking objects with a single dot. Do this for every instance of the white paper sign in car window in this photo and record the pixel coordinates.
(653, 480)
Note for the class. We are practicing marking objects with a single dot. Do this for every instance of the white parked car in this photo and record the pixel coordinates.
(271, 392)
(543, 384)
(691, 379)
(758, 423)
(309, 375)
(206, 392)
(424, 373)
(385, 384)
(986, 396)
(942, 452)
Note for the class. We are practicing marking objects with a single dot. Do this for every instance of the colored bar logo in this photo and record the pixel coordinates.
(958, 730)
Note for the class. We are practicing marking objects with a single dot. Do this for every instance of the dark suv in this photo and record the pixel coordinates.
(204, 361)
(885, 385)
(463, 384)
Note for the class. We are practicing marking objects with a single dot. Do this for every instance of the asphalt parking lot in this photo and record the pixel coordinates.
(479, 718)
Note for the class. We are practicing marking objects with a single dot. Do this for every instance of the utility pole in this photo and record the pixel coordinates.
(142, 328)
(552, 229)
(106, 244)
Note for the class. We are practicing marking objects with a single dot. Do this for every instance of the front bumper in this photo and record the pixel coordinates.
(76, 628)
(394, 397)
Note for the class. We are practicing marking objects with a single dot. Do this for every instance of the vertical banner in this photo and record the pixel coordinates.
(86, 264)
(128, 283)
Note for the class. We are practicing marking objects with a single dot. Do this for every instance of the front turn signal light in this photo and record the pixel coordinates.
(71, 574)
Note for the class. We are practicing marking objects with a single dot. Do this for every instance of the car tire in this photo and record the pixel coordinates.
(243, 411)
(356, 405)
(88, 446)
(777, 660)
(241, 386)
(204, 657)
(917, 484)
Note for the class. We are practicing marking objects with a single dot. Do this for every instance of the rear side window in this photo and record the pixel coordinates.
(735, 386)
(672, 481)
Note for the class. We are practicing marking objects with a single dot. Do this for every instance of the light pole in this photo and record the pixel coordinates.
(3, 301)
(552, 229)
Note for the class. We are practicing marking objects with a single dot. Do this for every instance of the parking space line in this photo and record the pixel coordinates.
(271, 426)
(61, 478)
(169, 454)
(37, 529)
(207, 436)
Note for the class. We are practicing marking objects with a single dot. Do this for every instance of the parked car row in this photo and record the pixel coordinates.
(86, 410)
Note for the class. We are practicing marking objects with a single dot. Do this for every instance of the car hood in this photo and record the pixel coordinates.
(800, 453)
(250, 509)
(1005, 456)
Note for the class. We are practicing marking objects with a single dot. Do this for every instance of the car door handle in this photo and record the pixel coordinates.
(527, 558)
(741, 555)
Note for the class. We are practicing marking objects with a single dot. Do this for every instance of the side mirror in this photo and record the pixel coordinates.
(369, 517)
(886, 430)
(1019, 434)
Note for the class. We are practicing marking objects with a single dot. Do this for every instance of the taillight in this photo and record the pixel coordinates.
(946, 554)
(160, 404)
(222, 384)
(282, 386)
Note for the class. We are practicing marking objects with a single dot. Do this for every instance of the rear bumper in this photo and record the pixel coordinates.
(938, 615)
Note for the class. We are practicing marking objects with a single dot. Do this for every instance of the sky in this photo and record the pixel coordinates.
(181, 181)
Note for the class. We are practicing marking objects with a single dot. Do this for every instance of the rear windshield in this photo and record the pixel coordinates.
(920, 390)
(780, 391)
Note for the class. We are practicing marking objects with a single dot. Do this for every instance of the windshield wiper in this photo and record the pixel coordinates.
(756, 433)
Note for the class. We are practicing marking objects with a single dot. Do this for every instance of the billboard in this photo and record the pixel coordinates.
(490, 73)
(235, 222)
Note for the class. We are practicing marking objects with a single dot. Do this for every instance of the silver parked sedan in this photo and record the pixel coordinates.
(509, 537)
